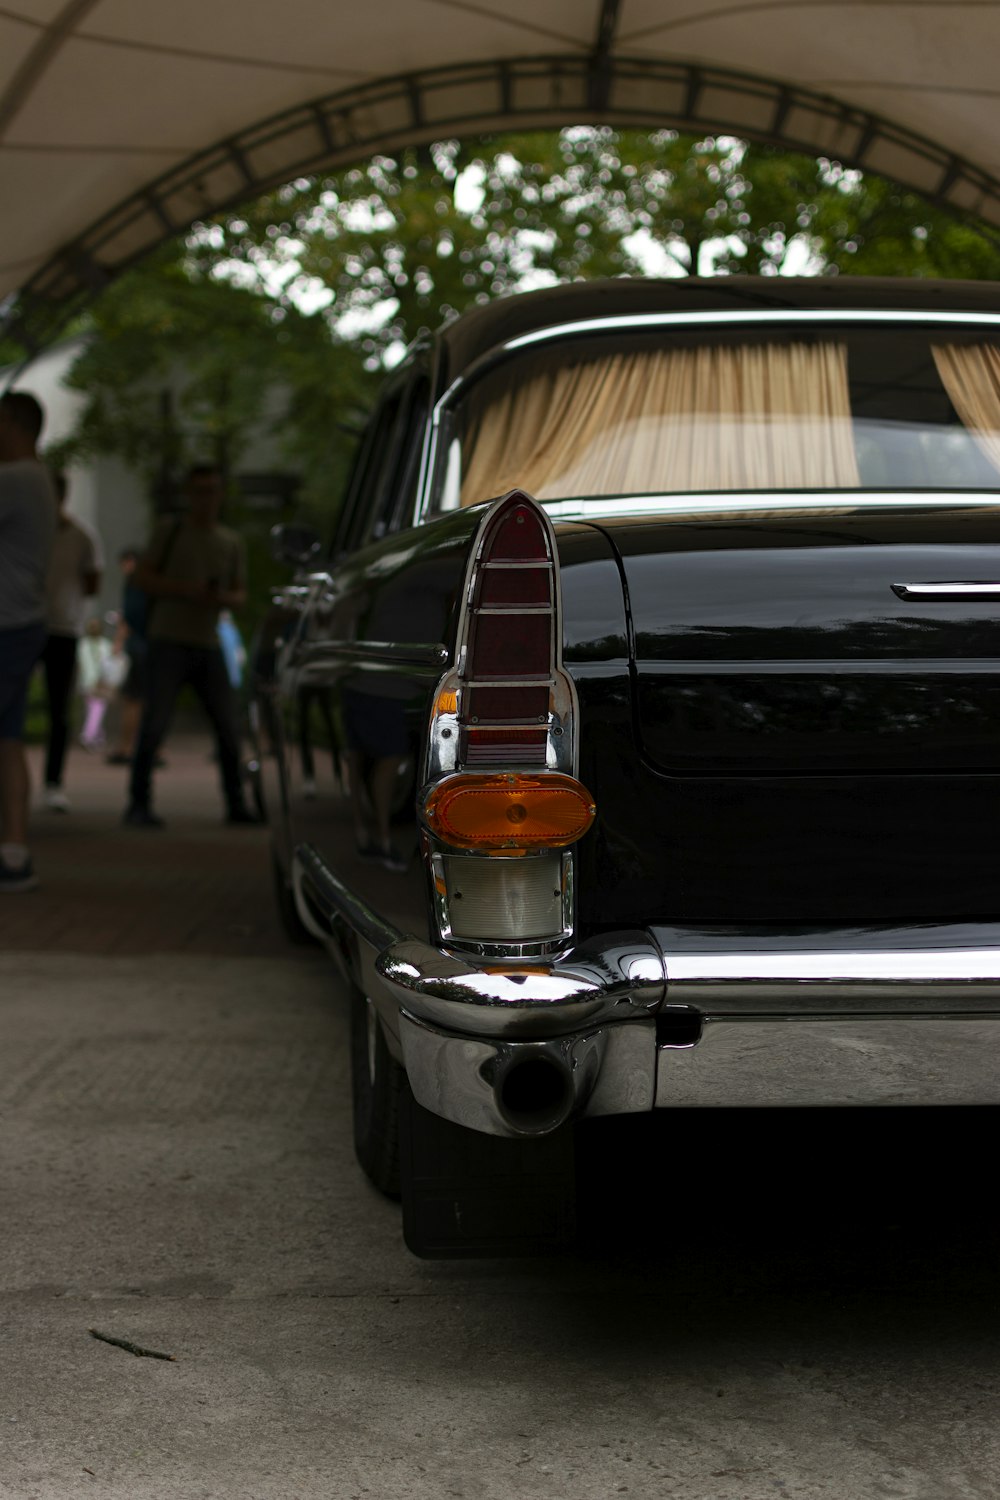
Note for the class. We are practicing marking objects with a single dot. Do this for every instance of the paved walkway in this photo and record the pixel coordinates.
(774, 1307)
(196, 886)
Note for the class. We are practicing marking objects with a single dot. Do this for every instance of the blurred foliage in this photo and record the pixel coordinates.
(304, 296)
(179, 367)
(397, 243)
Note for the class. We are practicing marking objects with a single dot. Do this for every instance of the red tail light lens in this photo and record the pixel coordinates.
(510, 641)
(511, 645)
(516, 534)
(515, 704)
(507, 584)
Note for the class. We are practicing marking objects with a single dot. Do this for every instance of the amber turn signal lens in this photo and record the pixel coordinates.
(500, 812)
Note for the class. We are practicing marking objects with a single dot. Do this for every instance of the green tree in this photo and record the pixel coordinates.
(397, 246)
(178, 365)
(311, 290)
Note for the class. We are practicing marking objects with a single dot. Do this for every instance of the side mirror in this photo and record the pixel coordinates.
(295, 544)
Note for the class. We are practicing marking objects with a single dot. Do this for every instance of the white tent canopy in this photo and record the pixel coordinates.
(122, 121)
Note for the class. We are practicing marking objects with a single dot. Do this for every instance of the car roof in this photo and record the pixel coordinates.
(484, 328)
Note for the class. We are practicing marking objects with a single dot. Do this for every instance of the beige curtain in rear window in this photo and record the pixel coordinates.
(970, 373)
(754, 417)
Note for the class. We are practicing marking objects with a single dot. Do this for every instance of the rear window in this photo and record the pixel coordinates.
(878, 408)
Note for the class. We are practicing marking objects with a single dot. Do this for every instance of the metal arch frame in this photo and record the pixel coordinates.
(343, 127)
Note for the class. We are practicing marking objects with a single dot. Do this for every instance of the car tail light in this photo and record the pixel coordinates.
(505, 812)
(509, 647)
(500, 778)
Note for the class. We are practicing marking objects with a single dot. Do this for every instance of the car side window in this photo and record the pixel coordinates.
(412, 434)
(384, 491)
(367, 504)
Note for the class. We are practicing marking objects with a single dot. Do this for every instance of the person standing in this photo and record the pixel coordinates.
(192, 569)
(74, 577)
(28, 509)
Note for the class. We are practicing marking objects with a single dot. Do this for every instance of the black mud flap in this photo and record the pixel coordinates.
(466, 1194)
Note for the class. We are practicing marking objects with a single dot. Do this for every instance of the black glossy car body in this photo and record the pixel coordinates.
(781, 699)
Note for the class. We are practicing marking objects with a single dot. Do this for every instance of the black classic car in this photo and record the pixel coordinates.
(635, 744)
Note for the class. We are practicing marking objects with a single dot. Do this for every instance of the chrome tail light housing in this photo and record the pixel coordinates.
(501, 804)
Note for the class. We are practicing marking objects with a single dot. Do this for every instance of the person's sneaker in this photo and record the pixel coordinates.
(21, 879)
(141, 817)
(118, 758)
(242, 815)
(56, 799)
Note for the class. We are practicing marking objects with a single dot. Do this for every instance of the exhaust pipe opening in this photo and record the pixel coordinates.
(535, 1096)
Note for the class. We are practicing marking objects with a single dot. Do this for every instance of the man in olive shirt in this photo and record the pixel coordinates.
(192, 568)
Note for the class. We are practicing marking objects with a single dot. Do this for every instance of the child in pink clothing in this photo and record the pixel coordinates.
(97, 676)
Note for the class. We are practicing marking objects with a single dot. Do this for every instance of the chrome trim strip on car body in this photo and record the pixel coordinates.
(337, 902)
(757, 317)
(792, 666)
(931, 592)
(313, 913)
(834, 1061)
(767, 502)
(389, 654)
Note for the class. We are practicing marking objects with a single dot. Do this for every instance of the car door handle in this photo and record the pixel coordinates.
(292, 596)
(318, 586)
(942, 592)
(321, 587)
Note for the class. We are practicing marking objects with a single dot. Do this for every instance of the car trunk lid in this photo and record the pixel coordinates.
(795, 646)
(822, 747)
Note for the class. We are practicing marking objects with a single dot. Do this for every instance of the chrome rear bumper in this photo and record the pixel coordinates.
(676, 1017)
(523, 1088)
(774, 1025)
(614, 979)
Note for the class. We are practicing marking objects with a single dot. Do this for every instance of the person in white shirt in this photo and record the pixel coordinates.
(74, 577)
(27, 526)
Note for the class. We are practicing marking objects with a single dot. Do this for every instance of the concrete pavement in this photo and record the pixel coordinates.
(801, 1307)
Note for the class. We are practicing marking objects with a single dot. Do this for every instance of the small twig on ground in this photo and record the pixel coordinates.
(128, 1346)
